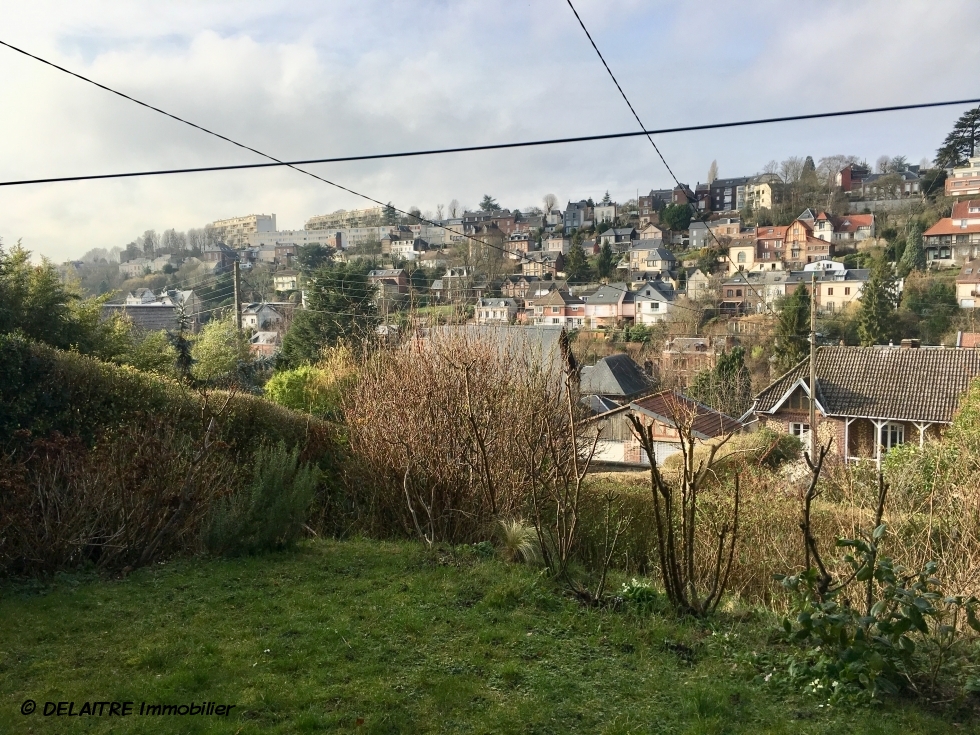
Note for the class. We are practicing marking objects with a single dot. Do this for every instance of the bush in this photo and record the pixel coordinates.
(139, 495)
(906, 639)
(316, 389)
(44, 390)
(270, 513)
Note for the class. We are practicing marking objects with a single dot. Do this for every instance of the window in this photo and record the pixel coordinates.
(830, 291)
(738, 292)
(847, 290)
(730, 292)
(654, 306)
(555, 320)
(741, 257)
(555, 309)
(892, 435)
(799, 430)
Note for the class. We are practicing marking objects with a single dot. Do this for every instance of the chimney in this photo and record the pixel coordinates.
(910, 344)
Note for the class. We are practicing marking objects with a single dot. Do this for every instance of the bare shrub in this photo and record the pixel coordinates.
(439, 433)
(113, 506)
(694, 565)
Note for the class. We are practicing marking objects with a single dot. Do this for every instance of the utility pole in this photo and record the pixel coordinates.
(238, 301)
(813, 367)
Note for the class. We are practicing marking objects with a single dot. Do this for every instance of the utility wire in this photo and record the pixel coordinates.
(293, 164)
(275, 162)
(661, 155)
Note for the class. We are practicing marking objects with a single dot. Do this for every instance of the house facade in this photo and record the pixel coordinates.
(495, 311)
(869, 400)
(968, 285)
(559, 308)
(955, 239)
(654, 302)
(610, 306)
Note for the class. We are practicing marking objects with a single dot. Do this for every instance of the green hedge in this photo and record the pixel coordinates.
(43, 390)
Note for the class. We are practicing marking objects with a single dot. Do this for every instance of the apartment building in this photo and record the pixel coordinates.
(234, 232)
(964, 181)
(345, 218)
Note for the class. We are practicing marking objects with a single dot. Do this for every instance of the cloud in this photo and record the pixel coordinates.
(323, 79)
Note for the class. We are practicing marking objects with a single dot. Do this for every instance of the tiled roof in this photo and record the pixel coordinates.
(616, 376)
(496, 302)
(961, 210)
(970, 272)
(558, 298)
(947, 226)
(669, 407)
(612, 293)
(148, 317)
(922, 384)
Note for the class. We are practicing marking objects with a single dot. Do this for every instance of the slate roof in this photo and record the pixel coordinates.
(612, 293)
(149, 317)
(559, 298)
(923, 384)
(497, 302)
(970, 273)
(537, 344)
(600, 404)
(657, 291)
(616, 376)
(670, 406)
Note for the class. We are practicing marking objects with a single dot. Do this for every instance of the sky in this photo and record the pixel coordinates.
(346, 77)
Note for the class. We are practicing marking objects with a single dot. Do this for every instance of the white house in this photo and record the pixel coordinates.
(654, 302)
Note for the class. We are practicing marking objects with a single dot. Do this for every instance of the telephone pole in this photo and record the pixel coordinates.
(238, 301)
(813, 367)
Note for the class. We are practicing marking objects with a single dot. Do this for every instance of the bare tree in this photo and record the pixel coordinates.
(881, 165)
(550, 201)
(454, 210)
(712, 172)
(791, 169)
(771, 168)
(439, 209)
(829, 166)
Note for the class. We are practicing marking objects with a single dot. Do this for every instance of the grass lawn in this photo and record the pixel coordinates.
(370, 637)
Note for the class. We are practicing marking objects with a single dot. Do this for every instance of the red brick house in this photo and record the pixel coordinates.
(870, 399)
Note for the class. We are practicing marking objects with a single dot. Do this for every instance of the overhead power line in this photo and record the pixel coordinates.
(677, 181)
(276, 163)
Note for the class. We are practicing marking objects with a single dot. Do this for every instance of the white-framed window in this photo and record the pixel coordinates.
(799, 430)
(891, 435)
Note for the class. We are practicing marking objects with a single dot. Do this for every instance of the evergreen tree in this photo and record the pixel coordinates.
(576, 264)
(793, 329)
(961, 143)
(605, 198)
(489, 204)
(676, 217)
(877, 304)
(340, 306)
(604, 263)
(914, 255)
(390, 214)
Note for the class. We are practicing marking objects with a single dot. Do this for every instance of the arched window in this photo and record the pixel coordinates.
(741, 257)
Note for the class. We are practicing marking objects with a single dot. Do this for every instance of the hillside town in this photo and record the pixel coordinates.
(416, 368)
